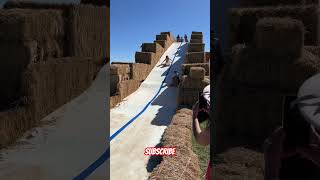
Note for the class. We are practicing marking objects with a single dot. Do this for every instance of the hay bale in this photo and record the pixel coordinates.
(30, 24)
(178, 136)
(152, 47)
(182, 120)
(120, 69)
(280, 37)
(44, 27)
(196, 32)
(257, 70)
(88, 31)
(239, 163)
(197, 73)
(194, 57)
(145, 58)
(128, 87)
(196, 41)
(186, 68)
(196, 36)
(163, 43)
(163, 37)
(71, 75)
(140, 71)
(196, 47)
(185, 111)
(190, 83)
(183, 166)
(243, 21)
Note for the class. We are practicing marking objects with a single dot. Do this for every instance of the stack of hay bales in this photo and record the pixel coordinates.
(127, 77)
(196, 46)
(27, 36)
(185, 165)
(243, 21)
(81, 25)
(251, 89)
(191, 85)
(186, 68)
(165, 39)
(48, 58)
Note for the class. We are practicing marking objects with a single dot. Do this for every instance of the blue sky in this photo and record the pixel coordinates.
(134, 22)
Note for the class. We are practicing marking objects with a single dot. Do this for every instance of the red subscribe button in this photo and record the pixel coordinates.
(160, 151)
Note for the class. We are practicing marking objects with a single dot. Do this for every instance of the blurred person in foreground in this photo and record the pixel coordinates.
(201, 113)
(292, 152)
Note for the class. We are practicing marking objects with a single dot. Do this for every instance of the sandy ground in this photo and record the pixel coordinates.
(127, 160)
(74, 136)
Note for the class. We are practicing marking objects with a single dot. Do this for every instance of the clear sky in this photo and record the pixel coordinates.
(134, 22)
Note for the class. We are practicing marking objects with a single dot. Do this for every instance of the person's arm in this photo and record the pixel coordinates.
(202, 137)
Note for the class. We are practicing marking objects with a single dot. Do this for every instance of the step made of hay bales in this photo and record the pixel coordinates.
(88, 27)
(194, 57)
(162, 37)
(152, 47)
(128, 87)
(196, 41)
(140, 71)
(71, 75)
(30, 24)
(190, 83)
(186, 67)
(45, 27)
(196, 32)
(196, 36)
(145, 57)
(171, 37)
(197, 73)
(119, 69)
(282, 37)
(196, 47)
(243, 21)
(163, 43)
(272, 72)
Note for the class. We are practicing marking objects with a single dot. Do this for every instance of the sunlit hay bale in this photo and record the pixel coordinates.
(195, 57)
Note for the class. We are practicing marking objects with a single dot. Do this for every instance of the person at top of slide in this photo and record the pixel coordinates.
(201, 112)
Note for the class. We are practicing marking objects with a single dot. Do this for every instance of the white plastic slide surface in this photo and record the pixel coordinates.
(76, 135)
(151, 111)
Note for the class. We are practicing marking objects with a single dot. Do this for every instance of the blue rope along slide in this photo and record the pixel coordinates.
(105, 156)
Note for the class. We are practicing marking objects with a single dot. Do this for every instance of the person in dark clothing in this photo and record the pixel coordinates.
(292, 152)
(185, 38)
(178, 38)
